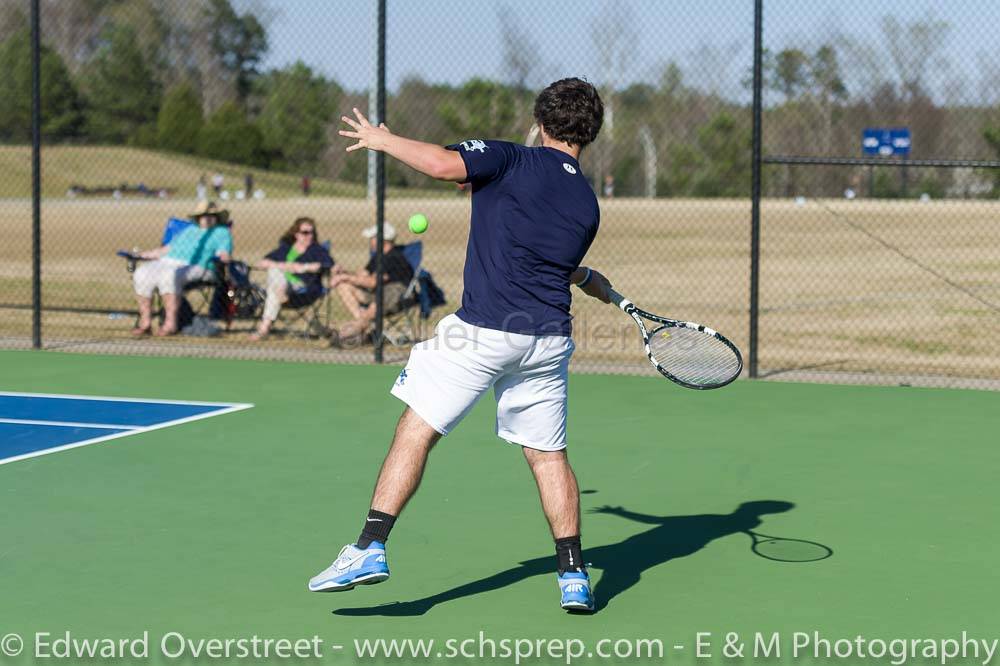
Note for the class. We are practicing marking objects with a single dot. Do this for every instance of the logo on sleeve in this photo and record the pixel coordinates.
(569, 167)
(473, 145)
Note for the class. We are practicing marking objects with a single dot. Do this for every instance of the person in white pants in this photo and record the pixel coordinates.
(188, 257)
(293, 272)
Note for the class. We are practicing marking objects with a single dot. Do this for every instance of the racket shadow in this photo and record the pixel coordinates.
(621, 563)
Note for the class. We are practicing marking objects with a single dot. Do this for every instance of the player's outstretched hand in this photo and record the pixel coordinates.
(367, 135)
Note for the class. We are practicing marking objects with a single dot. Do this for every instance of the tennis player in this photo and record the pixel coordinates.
(534, 215)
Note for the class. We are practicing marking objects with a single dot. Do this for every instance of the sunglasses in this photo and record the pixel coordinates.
(305, 232)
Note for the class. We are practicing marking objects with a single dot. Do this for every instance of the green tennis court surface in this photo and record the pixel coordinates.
(211, 528)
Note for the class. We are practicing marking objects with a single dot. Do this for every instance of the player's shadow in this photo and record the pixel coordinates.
(621, 563)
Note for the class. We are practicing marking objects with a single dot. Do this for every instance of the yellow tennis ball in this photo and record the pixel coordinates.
(418, 223)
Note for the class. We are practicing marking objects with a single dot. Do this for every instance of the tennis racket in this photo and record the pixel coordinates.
(788, 550)
(686, 353)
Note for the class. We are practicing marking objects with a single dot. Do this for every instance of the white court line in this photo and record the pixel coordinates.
(70, 424)
(66, 396)
(228, 408)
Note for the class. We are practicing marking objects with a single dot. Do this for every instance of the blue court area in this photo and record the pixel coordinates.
(37, 424)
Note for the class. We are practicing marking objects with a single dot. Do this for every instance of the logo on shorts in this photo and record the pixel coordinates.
(402, 377)
(569, 167)
(474, 144)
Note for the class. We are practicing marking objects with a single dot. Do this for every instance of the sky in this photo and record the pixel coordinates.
(450, 42)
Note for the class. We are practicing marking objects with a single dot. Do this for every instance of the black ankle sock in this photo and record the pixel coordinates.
(569, 554)
(377, 528)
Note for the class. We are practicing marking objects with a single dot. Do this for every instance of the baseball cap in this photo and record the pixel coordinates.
(388, 232)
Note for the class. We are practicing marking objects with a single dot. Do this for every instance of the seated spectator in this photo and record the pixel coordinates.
(357, 290)
(187, 258)
(293, 272)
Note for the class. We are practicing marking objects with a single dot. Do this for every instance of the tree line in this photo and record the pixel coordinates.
(187, 77)
(182, 77)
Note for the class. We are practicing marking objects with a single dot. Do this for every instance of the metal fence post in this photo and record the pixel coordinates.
(36, 179)
(758, 49)
(379, 185)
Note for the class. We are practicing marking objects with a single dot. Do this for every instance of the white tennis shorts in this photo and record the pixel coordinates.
(447, 375)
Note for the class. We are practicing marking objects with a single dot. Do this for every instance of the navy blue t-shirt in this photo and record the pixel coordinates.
(534, 216)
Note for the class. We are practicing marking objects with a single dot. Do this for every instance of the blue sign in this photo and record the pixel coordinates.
(886, 141)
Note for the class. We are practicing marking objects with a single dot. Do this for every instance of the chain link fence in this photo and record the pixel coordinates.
(876, 268)
(880, 219)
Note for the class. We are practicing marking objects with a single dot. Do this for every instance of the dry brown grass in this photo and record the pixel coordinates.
(832, 299)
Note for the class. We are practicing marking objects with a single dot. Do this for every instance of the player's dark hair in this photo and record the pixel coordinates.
(570, 110)
(289, 236)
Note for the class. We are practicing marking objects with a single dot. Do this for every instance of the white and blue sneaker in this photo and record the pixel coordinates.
(354, 566)
(575, 589)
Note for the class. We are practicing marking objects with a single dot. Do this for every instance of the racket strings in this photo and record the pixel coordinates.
(693, 356)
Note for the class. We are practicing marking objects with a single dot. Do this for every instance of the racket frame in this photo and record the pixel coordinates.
(757, 539)
(638, 314)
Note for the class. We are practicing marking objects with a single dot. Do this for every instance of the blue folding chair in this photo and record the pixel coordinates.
(202, 296)
(422, 295)
(173, 228)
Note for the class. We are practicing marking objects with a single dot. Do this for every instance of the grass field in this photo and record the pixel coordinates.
(212, 528)
(832, 299)
(95, 166)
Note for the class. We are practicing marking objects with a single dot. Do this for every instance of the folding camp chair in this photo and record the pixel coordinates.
(421, 296)
(203, 296)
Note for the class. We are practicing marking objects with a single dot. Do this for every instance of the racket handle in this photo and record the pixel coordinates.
(618, 299)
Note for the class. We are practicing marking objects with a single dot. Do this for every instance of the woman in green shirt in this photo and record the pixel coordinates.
(293, 272)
